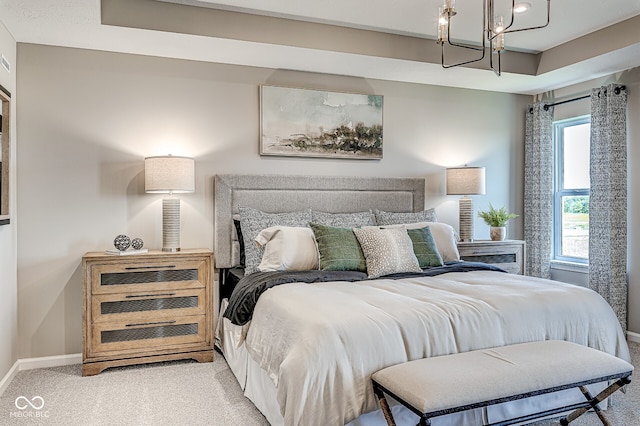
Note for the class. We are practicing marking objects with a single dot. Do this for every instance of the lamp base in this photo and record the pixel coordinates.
(170, 224)
(466, 219)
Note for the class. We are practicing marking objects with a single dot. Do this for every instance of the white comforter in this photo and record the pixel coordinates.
(320, 343)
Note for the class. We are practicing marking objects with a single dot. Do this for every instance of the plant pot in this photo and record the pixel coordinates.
(498, 233)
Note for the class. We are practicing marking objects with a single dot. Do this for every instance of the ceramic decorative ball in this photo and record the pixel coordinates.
(122, 242)
(137, 243)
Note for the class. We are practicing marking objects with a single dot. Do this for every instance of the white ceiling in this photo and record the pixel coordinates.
(77, 23)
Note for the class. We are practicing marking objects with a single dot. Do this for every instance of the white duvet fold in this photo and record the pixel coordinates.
(320, 343)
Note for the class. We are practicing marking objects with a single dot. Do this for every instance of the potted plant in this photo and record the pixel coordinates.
(497, 219)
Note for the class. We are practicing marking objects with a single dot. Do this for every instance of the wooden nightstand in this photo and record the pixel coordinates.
(146, 308)
(507, 254)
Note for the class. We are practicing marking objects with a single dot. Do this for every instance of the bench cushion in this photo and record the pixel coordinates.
(440, 383)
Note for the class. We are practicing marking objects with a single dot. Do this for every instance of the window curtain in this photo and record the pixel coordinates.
(608, 198)
(538, 189)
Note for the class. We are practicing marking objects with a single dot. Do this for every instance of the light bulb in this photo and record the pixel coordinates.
(443, 26)
(521, 7)
(498, 25)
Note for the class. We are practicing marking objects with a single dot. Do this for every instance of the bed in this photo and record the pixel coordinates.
(303, 347)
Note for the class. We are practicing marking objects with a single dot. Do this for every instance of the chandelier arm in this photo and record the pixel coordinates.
(534, 28)
(513, 15)
(477, 49)
(490, 30)
(460, 63)
(489, 16)
(497, 71)
(498, 53)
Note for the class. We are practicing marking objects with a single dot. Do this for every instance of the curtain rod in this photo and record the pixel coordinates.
(617, 91)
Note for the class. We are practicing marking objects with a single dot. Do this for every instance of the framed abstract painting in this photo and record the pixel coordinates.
(319, 123)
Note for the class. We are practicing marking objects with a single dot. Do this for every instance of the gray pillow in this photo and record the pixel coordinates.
(252, 221)
(392, 218)
(343, 220)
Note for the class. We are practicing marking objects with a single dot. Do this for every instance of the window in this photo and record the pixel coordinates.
(571, 201)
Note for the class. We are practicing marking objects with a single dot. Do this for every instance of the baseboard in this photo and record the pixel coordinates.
(49, 361)
(633, 337)
(41, 362)
(4, 383)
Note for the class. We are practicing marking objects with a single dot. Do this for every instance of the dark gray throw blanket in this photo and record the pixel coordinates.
(246, 294)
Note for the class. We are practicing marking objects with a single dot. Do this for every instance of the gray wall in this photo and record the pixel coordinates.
(8, 234)
(87, 119)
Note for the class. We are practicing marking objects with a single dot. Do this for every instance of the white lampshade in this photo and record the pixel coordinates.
(465, 181)
(169, 174)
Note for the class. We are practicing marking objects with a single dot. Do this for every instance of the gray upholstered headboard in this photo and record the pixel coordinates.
(284, 193)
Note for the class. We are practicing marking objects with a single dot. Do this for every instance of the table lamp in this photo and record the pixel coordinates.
(466, 181)
(169, 174)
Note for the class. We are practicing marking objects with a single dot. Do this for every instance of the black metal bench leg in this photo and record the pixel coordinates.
(384, 406)
(424, 421)
(595, 401)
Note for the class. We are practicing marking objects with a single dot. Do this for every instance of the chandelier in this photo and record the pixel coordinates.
(493, 31)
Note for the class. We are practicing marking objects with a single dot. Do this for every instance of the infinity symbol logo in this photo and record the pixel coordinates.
(22, 403)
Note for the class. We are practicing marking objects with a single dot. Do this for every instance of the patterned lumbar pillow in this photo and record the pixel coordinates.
(387, 251)
(338, 249)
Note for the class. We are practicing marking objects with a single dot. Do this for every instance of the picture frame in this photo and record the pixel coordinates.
(5, 155)
(320, 123)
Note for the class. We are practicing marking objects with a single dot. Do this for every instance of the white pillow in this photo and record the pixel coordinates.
(287, 248)
(444, 236)
(387, 251)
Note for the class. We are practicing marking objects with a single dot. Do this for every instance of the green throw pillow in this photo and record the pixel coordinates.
(339, 249)
(424, 247)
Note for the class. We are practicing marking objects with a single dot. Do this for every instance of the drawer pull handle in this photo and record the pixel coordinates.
(129, 268)
(132, 296)
(150, 323)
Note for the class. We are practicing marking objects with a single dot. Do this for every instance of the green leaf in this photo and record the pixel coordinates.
(496, 217)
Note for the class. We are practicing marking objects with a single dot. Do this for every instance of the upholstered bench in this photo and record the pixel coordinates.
(436, 386)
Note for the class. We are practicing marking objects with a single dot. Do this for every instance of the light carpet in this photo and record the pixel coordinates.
(180, 393)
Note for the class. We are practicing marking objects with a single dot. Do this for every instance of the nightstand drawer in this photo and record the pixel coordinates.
(508, 254)
(506, 257)
(129, 337)
(140, 306)
(141, 277)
